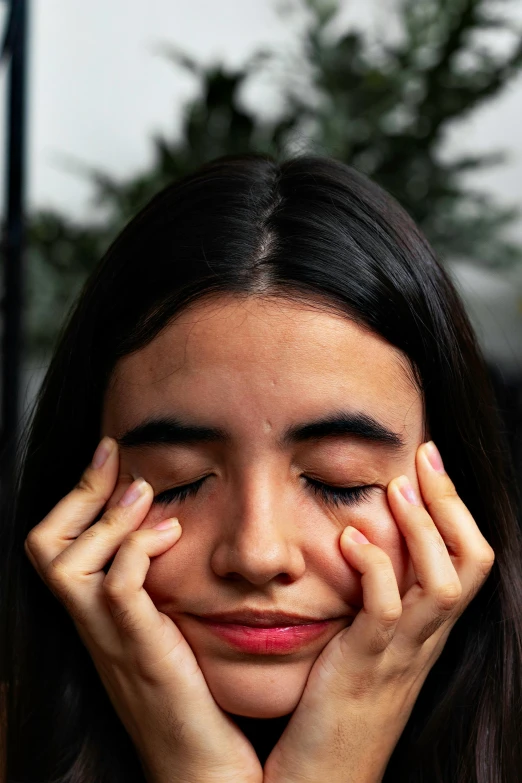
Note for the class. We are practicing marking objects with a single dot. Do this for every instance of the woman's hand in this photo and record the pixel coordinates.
(148, 669)
(363, 686)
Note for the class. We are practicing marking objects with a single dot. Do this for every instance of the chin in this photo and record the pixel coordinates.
(245, 708)
(258, 689)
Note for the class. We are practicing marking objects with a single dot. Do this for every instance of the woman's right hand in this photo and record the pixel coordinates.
(147, 667)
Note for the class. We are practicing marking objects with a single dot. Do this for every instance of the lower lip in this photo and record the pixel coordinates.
(268, 641)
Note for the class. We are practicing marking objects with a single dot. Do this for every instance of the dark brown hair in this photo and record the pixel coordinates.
(309, 229)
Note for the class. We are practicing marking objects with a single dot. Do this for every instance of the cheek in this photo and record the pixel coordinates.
(376, 521)
(181, 576)
(176, 577)
(184, 571)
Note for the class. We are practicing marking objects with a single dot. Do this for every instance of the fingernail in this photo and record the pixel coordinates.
(407, 490)
(434, 457)
(133, 493)
(102, 452)
(167, 524)
(355, 535)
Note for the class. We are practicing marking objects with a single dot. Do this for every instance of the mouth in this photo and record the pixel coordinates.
(263, 619)
(263, 635)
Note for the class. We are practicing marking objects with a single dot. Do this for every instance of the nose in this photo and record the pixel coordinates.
(258, 540)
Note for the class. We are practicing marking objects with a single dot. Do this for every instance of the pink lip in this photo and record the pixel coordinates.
(268, 641)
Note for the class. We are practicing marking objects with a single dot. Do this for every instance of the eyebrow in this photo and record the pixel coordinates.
(174, 431)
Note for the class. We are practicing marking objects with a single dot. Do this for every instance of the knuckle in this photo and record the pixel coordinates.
(33, 542)
(381, 560)
(483, 569)
(430, 628)
(381, 638)
(134, 539)
(114, 589)
(56, 574)
(448, 596)
(125, 620)
(59, 582)
(133, 543)
(112, 517)
(448, 494)
(384, 567)
(114, 586)
(91, 532)
(87, 483)
(93, 487)
(391, 615)
(486, 560)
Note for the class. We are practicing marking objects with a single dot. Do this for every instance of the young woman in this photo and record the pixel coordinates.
(271, 354)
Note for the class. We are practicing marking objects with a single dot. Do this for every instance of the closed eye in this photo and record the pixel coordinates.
(178, 493)
(347, 496)
(335, 496)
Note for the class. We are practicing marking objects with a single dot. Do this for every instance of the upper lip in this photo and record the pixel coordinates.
(265, 618)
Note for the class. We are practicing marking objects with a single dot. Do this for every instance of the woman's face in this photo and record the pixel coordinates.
(255, 534)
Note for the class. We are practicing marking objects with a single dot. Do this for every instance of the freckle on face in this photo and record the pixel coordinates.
(255, 535)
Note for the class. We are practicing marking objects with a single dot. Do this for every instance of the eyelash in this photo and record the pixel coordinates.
(335, 496)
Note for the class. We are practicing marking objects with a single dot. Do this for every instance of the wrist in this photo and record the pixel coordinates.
(349, 759)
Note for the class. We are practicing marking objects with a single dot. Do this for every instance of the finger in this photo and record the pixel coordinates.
(374, 626)
(75, 512)
(472, 555)
(76, 575)
(432, 563)
(88, 553)
(98, 611)
(434, 600)
(133, 610)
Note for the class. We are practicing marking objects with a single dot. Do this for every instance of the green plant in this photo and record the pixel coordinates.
(383, 108)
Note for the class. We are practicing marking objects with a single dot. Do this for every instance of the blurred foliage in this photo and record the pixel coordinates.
(383, 108)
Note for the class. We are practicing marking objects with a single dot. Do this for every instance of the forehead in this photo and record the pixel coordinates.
(261, 355)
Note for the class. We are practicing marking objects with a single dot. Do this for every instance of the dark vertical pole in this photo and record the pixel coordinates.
(13, 245)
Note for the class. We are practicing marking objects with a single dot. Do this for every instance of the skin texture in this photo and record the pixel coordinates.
(255, 535)
(258, 536)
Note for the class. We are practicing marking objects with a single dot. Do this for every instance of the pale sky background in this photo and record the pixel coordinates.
(98, 91)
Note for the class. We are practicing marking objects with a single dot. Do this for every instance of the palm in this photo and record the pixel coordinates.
(242, 763)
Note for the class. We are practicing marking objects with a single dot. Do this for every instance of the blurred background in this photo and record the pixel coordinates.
(103, 103)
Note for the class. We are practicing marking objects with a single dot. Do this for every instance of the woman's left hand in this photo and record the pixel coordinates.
(362, 688)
